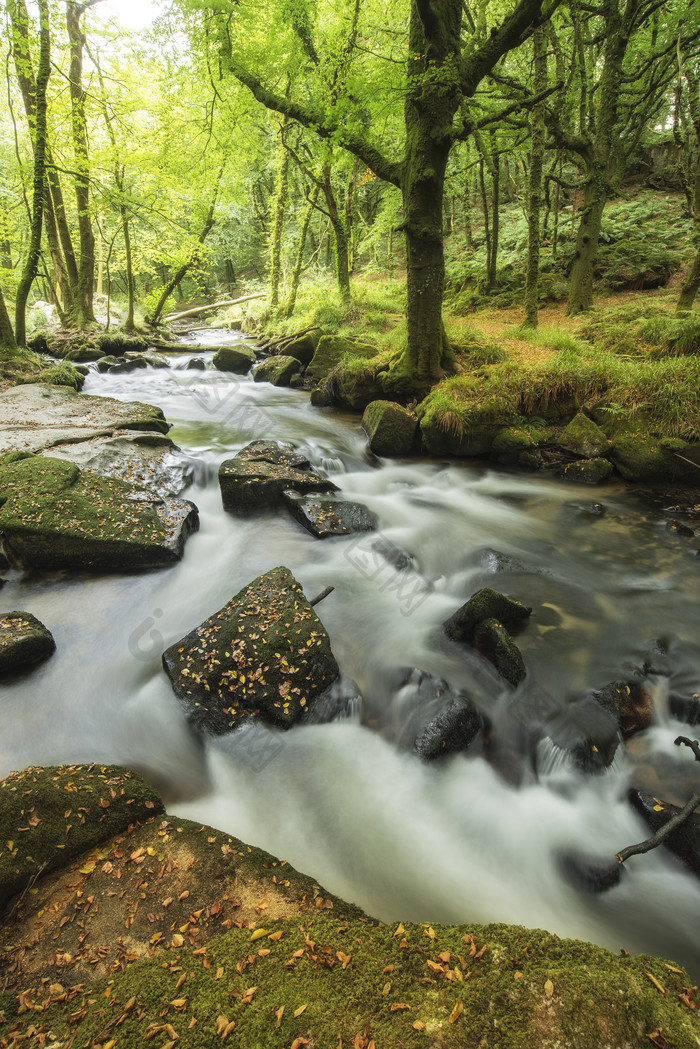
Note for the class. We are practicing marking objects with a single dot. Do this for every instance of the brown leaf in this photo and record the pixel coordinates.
(657, 1038)
(418, 1025)
(300, 1010)
(344, 958)
(299, 1042)
(457, 1011)
(279, 1014)
(656, 983)
(398, 1005)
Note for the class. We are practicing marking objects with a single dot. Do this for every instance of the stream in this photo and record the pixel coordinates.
(348, 802)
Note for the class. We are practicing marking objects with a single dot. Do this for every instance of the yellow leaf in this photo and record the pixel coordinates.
(386, 988)
(300, 1010)
(400, 930)
(279, 1014)
(88, 868)
(179, 1003)
(418, 1025)
(259, 933)
(549, 988)
(457, 1011)
(275, 935)
(656, 983)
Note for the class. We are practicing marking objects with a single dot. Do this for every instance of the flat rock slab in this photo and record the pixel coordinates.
(265, 654)
(50, 815)
(24, 641)
(146, 459)
(272, 452)
(55, 516)
(328, 517)
(252, 485)
(34, 417)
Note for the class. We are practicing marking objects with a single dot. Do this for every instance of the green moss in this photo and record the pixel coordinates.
(353, 981)
(50, 815)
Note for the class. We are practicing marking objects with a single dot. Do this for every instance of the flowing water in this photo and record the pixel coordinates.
(348, 802)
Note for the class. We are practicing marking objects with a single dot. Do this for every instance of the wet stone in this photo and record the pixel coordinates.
(452, 730)
(326, 517)
(255, 484)
(588, 732)
(272, 452)
(237, 359)
(264, 655)
(494, 642)
(485, 604)
(24, 641)
(684, 841)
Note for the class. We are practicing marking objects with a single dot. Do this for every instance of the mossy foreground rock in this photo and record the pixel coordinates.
(390, 428)
(329, 517)
(484, 604)
(277, 370)
(265, 654)
(583, 438)
(24, 641)
(50, 815)
(319, 981)
(55, 516)
(272, 452)
(250, 485)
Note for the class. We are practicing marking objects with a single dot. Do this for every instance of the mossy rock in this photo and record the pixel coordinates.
(495, 643)
(329, 517)
(48, 816)
(484, 604)
(658, 460)
(265, 654)
(24, 641)
(55, 516)
(355, 982)
(330, 352)
(510, 443)
(251, 485)
(471, 439)
(277, 370)
(61, 374)
(588, 471)
(583, 438)
(237, 359)
(390, 428)
(302, 347)
(272, 452)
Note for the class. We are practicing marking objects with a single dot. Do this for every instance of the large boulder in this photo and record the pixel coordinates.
(452, 730)
(237, 359)
(250, 485)
(390, 428)
(24, 641)
(302, 347)
(278, 371)
(639, 457)
(272, 452)
(584, 439)
(265, 654)
(484, 604)
(54, 515)
(328, 517)
(330, 352)
(49, 816)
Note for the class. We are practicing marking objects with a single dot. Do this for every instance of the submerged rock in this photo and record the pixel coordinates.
(249, 485)
(272, 452)
(24, 641)
(588, 733)
(237, 359)
(454, 729)
(277, 370)
(264, 654)
(53, 516)
(390, 428)
(327, 517)
(484, 604)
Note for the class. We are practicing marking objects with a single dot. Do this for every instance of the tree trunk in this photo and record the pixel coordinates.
(7, 336)
(691, 284)
(32, 260)
(340, 233)
(280, 204)
(587, 238)
(496, 206)
(299, 260)
(689, 288)
(538, 137)
(83, 312)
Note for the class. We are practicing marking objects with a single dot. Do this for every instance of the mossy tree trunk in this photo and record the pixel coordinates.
(299, 259)
(534, 209)
(279, 205)
(691, 284)
(7, 335)
(32, 260)
(340, 233)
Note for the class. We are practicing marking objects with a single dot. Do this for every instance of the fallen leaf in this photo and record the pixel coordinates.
(398, 1005)
(418, 1025)
(279, 1014)
(300, 1010)
(259, 933)
(656, 983)
(457, 1011)
(657, 1038)
(548, 988)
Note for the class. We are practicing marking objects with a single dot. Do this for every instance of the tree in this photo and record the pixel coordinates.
(691, 284)
(444, 67)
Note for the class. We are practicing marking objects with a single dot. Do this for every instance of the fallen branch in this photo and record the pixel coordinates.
(213, 306)
(320, 597)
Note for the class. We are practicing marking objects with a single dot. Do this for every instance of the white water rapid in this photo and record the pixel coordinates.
(348, 802)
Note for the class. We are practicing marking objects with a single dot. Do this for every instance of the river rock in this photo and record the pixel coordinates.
(237, 359)
(390, 428)
(49, 816)
(495, 643)
(588, 471)
(277, 370)
(684, 842)
(485, 604)
(272, 452)
(454, 729)
(106, 362)
(588, 732)
(584, 439)
(631, 704)
(264, 654)
(330, 352)
(24, 641)
(658, 460)
(197, 364)
(303, 347)
(255, 484)
(328, 517)
(54, 516)
(35, 417)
